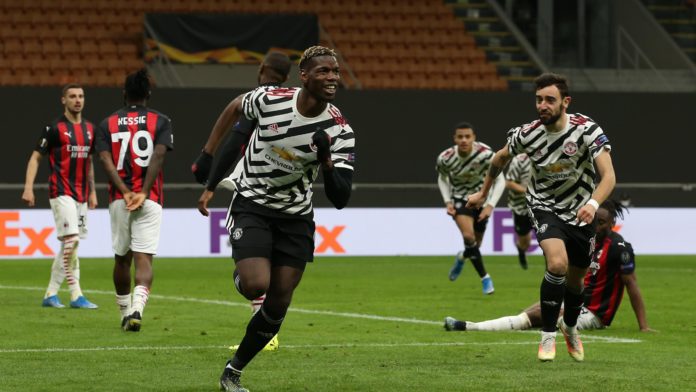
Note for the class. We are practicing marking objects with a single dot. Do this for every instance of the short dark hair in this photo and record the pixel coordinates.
(463, 124)
(278, 62)
(137, 85)
(314, 51)
(552, 79)
(614, 207)
(69, 86)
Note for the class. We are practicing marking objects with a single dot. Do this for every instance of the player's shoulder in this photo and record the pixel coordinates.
(526, 128)
(272, 93)
(482, 147)
(56, 121)
(618, 242)
(580, 119)
(447, 153)
(159, 114)
(337, 116)
(277, 91)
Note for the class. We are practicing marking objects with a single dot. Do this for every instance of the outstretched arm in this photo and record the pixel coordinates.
(498, 163)
(636, 301)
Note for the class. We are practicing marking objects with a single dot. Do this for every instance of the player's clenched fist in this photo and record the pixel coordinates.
(322, 141)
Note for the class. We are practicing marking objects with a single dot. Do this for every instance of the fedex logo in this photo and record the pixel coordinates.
(326, 239)
(503, 225)
(10, 235)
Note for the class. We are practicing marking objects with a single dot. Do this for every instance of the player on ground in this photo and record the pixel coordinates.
(299, 133)
(612, 269)
(132, 143)
(68, 143)
(563, 197)
(273, 72)
(516, 181)
(461, 169)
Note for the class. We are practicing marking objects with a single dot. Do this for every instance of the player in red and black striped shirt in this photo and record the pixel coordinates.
(68, 142)
(132, 143)
(612, 269)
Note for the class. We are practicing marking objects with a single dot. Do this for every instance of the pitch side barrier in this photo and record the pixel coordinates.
(30, 233)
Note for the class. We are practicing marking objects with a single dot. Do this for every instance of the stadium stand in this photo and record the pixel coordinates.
(423, 37)
(678, 18)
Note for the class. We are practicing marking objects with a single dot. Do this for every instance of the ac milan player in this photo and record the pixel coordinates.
(132, 143)
(612, 269)
(68, 143)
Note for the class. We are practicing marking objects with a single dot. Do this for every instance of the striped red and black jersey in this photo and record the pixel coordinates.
(68, 146)
(130, 135)
(604, 288)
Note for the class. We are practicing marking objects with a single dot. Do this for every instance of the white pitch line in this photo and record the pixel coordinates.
(285, 346)
(246, 305)
(608, 339)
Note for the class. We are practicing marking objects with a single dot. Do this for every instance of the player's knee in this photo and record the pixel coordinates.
(469, 239)
(253, 288)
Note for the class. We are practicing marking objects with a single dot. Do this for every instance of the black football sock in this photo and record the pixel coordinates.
(474, 254)
(551, 298)
(573, 305)
(260, 330)
(523, 257)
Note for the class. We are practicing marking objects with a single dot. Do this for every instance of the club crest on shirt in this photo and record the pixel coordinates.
(570, 148)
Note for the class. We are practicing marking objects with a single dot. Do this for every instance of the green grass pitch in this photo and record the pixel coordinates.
(356, 324)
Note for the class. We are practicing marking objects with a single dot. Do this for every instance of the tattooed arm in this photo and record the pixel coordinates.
(500, 160)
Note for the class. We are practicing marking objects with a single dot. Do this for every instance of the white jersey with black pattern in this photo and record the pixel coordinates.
(563, 172)
(519, 171)
(280, 163)
(465, 173)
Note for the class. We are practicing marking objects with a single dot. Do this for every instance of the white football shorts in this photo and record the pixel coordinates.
(70, 216)
(138, 231)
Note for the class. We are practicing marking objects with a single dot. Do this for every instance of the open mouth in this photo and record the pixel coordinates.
(330, 89)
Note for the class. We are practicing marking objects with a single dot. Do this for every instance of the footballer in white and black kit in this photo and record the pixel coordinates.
(461, 170)
(298, 134)
(517, 177)
(572, 174)
(563, 175)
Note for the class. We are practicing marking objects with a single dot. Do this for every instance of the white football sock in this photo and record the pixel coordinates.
(57, 274)
(69, 247)
(140, 296)
(124, 304)
(507, 323)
